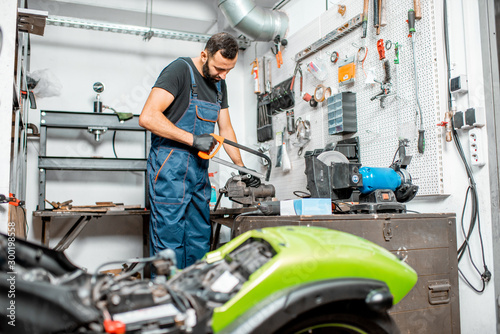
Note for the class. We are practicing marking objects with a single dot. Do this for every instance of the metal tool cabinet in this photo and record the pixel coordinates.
(427, 241)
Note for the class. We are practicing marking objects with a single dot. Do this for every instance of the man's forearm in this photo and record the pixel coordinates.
(153, 119)
(233, 152)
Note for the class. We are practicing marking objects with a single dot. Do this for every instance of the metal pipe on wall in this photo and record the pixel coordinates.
(256, 22)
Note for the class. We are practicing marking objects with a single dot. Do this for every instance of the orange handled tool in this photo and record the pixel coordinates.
(221, 140)
(210, 155)
(279, 58)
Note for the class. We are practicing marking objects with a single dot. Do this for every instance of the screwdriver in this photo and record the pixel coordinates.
(421, 131)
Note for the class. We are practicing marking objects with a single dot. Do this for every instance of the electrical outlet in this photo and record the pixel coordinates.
(476, 148)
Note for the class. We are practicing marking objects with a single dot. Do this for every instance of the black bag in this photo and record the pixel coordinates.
(282, 97)
(264, 118)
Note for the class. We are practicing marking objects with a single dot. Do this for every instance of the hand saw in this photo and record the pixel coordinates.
(221, 140)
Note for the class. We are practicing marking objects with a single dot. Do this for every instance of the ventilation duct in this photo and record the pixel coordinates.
(257, 23)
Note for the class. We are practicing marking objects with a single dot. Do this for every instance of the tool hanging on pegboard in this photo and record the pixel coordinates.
(255, 75)
(382, 13)
(278, 42)
(303, 134)
(421, 130)
(290, 122)
(396, 52)
(366, 5)
(341, 9)
(385, 85)
(381, 49)
(331, 37)
(334, 57)
(376, 16)
(347, 71)
(361, 56)
(418, 9)
(298, 70)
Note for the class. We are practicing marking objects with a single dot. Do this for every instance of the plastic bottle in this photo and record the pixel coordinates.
(214, 185)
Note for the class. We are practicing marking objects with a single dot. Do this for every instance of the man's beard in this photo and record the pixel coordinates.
(206, 73)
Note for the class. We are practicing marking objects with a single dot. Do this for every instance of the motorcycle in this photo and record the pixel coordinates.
(273, 280)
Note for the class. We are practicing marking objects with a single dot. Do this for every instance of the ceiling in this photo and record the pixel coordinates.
(196, 16)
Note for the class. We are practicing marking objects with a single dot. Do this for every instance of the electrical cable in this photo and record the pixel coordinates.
(364, 58)
(302, 194)
(26, 228)
(93, 279)
(113, 142)
(471, 190)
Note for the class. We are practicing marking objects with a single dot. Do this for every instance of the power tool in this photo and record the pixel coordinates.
(377, 189)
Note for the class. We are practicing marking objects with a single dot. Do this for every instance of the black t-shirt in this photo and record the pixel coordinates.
(176, 79)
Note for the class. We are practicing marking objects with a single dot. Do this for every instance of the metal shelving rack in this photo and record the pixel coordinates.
(84, 121)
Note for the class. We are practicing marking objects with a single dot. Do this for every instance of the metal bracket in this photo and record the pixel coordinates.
(387, 231)
(439, 292)
(97, 131)
(31, 21)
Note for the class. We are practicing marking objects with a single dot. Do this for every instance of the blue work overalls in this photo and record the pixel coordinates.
(179, 187)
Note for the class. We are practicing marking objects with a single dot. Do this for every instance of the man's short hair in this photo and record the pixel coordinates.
(226, 43)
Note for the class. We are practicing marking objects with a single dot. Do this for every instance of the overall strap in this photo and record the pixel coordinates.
(194, 88)
(219, 93)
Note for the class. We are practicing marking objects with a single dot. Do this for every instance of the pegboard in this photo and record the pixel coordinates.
(378, 128)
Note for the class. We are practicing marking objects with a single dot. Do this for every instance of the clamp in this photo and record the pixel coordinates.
(12, 200)
(385, 86)
(277, 42)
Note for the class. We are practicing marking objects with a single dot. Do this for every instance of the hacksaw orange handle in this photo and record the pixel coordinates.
(205, 155)
(279, 59)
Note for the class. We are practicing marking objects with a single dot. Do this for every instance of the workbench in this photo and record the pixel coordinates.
(427, 242)
(226, 217)
(82, 218)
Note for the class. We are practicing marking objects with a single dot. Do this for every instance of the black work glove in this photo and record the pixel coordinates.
(250, 180)
(204, 142)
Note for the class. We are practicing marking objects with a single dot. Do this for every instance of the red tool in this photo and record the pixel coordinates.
(12, 200)
(381, 49)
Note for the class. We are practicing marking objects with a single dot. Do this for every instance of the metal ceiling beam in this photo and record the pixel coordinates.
(70, 22)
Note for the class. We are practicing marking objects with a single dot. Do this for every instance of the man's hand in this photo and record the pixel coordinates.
(250, 180)
(204, 142)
